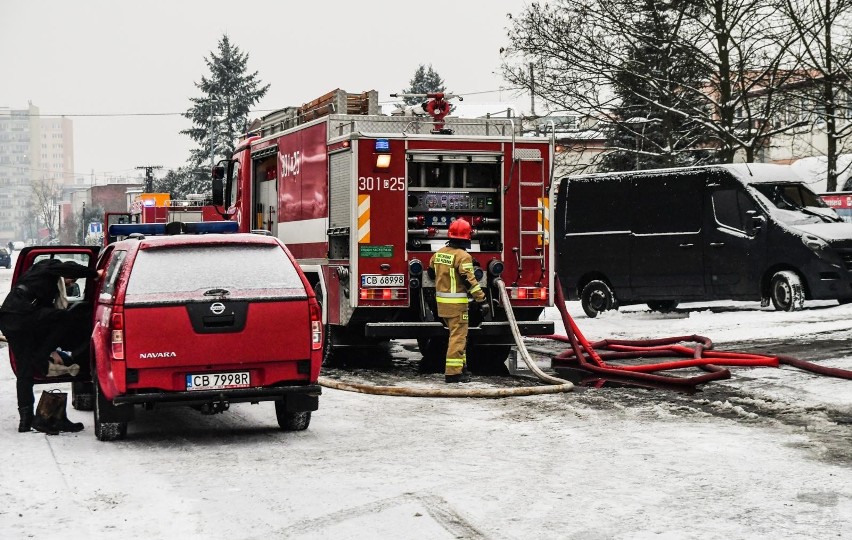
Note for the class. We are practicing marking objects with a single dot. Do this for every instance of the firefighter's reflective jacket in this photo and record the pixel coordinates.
(454, 280)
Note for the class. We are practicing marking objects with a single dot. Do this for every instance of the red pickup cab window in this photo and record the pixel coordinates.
(191, 271)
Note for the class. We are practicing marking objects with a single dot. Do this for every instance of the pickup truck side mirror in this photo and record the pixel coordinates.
(72, 290)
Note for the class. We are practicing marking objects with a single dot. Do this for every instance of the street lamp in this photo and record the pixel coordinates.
(83, 223)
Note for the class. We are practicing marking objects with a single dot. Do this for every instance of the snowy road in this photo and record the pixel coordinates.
(766, 454)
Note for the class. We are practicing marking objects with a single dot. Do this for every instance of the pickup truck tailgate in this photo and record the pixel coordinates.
(217, 333)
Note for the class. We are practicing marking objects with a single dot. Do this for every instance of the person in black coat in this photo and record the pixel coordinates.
(35, 327)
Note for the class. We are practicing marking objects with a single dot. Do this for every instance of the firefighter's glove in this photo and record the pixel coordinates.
(431, 273)
(485, 309)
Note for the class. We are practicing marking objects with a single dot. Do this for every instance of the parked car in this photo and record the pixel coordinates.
(5, 258)
(197, 320)
(741, 232)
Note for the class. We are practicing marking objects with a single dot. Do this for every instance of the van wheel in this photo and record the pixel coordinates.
(663, 306)
(106, 431)
(787, 292)
(597, 296)
(291, 421)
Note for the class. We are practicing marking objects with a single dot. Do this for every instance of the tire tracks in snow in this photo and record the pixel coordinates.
(437, 507)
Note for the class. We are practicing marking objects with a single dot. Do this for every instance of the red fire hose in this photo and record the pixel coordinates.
(591, 357)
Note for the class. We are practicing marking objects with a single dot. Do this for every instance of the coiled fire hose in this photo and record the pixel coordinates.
(584, 356)
(555, 385)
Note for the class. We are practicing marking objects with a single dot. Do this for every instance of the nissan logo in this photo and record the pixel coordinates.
(217, 308)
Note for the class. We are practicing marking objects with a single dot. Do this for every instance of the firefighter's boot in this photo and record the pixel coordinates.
(26, 422)
(458, 378)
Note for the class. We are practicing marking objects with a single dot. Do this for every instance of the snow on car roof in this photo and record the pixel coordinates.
(178, 240)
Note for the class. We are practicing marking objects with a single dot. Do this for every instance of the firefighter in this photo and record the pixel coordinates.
(34, 327)
(452, 269)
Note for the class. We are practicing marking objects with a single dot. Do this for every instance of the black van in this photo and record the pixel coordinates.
(740, 232)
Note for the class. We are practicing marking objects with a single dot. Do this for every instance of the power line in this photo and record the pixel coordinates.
(256, 111)
(74, 173)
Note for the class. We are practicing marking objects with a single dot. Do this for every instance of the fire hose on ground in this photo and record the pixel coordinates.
(555, 384)
(591, 357)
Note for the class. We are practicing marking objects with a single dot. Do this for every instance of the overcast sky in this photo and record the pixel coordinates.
(121, 58)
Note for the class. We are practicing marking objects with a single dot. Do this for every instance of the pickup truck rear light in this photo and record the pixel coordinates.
(116, 327)
(316, 328)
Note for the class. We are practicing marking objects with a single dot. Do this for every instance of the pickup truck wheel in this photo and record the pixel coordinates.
(106, 431)
(327, 331)
(82, 396)
(786, 291)
(291, 421)
(663, 306)
(597, 296)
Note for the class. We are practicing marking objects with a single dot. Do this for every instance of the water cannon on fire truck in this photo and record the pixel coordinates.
(437, 106)
(363, 200)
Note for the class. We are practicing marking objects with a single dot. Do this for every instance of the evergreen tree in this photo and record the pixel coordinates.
(425, 81)
(646, 132)
(179, 183)
(221, 113)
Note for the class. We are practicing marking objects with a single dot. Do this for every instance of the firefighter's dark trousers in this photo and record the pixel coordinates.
(458, 342)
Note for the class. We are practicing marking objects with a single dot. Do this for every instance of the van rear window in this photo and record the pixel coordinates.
(189, 271)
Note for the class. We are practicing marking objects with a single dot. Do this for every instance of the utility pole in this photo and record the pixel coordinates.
(149, 176)
(213, 133)
(532, 90)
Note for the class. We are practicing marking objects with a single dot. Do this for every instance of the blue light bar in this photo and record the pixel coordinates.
(382, 145)
(201, 227)
(156, 229)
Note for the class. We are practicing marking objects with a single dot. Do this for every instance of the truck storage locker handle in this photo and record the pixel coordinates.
(717, 244)
(686, 245)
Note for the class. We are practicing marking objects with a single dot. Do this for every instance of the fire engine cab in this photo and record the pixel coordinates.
(363, 200)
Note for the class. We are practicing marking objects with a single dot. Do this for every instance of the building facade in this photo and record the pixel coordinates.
(35, 154)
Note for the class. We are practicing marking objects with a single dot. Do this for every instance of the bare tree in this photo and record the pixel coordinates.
(46, 194)
(584, 57)
(825, 52)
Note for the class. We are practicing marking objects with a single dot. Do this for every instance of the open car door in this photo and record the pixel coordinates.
(80, 296)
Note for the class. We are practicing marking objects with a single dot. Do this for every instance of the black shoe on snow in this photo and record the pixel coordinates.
(68, 425)
(460, 378)
(26, 422)
(45, 426)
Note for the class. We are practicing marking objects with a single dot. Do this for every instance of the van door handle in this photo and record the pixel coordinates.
(717, 244)
(686, 246)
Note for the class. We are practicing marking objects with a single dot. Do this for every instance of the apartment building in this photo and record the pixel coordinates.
(33, 150)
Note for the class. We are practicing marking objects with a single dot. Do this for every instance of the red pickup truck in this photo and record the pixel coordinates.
(202, 320)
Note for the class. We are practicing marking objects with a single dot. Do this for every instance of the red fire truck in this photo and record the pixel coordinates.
(363, 200)
(161, 208)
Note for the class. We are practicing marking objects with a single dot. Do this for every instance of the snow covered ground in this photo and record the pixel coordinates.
(766, 454)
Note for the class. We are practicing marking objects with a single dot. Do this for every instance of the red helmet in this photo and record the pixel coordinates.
(459, 229)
